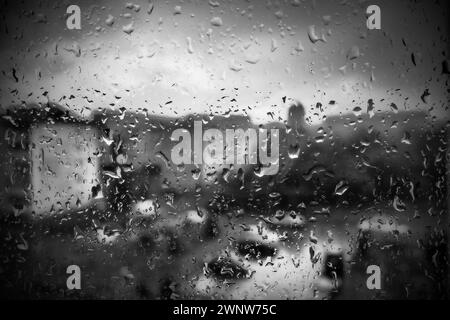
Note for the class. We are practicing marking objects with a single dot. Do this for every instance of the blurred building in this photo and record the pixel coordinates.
(49, 160)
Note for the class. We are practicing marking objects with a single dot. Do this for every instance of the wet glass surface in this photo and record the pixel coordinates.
(224, 150)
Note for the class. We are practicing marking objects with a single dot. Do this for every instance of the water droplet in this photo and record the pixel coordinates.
(398, 204)
(128, 29)
(75, 49)
(150, 8)
(406, 139)
(357, 111)
(189, 45)
(353, 53)
(294, 151)
(273, 45)
(313, 37)
(234, 66)
(177, 10)
(252, 59)
(109, 20)
(394, 107)
(341, 188)
(216, 21)
(299, 47)
(425, 96)
(279, 14)
(312, 237)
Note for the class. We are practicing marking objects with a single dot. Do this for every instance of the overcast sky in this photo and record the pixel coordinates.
(258, 52)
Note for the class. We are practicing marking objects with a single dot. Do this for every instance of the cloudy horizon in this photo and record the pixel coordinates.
(178, 57)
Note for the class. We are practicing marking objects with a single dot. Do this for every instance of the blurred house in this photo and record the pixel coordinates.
(49, 160)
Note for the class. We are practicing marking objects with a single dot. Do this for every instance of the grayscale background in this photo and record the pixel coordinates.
(87, 179)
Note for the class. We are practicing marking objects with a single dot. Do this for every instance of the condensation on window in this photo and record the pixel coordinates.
(224, 149)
